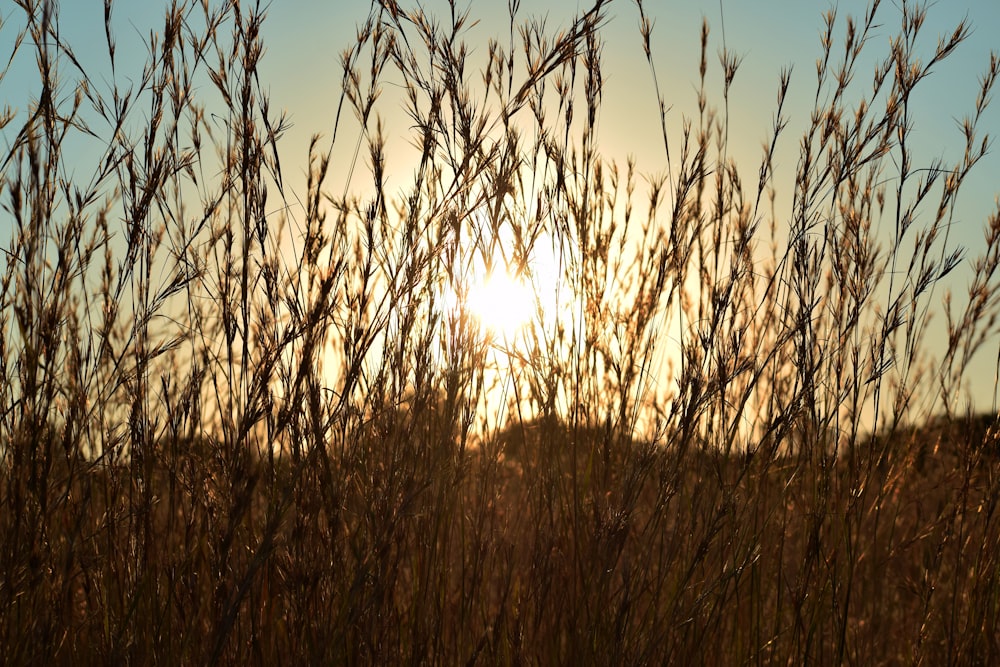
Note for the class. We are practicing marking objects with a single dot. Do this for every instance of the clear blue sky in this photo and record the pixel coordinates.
(304, 39)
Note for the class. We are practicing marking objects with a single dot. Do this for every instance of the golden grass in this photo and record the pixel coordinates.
(189, 475)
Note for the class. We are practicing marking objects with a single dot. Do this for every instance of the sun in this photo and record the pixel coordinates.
(507, 298)
(507, 284)
(503, 304)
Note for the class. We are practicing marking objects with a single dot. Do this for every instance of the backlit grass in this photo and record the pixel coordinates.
(241, 423)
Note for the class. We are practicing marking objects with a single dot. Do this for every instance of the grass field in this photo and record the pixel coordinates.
(245, 425)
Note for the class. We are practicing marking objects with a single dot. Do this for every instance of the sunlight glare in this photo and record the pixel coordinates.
(502, 303)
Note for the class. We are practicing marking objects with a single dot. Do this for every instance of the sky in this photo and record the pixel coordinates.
(304, 40)
(769, 35)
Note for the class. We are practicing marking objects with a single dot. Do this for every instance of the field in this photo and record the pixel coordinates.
(241, 424)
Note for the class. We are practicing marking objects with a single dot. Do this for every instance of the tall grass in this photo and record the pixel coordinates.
(243, 424)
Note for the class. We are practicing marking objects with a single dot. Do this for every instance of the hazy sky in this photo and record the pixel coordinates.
(304, 39)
